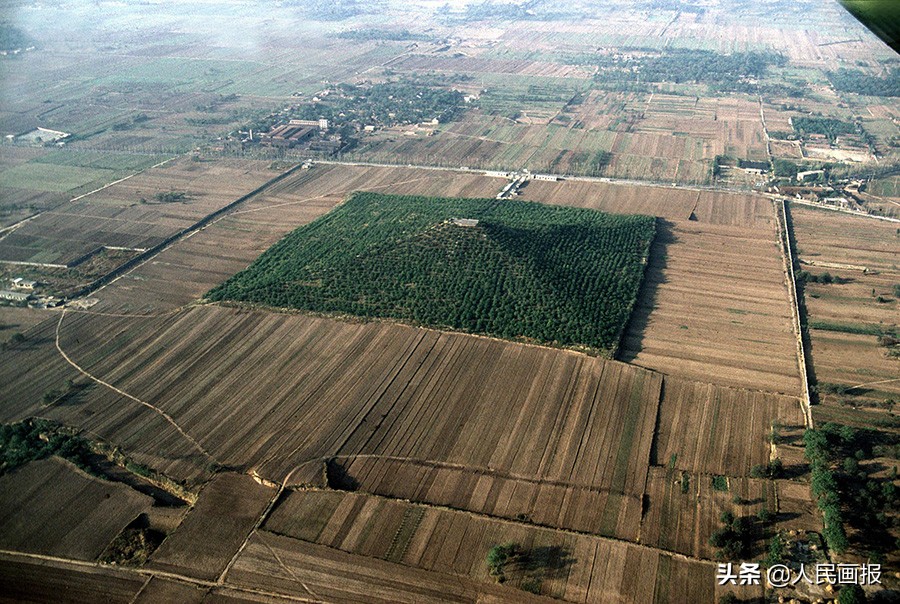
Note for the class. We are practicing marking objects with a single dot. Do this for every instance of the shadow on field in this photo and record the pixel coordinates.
(633, 335)
(549, 560)
(338, 478)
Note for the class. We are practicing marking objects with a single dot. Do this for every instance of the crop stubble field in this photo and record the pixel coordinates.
(862, 256)
(401, 411)
(51, 507)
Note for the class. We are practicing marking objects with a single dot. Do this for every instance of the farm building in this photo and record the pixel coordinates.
(465, 222)
(321, 123)
(287, 135)
(20, 283)
(550, 177)
(14, 296)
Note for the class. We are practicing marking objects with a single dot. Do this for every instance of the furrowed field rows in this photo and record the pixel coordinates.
(575, 568)
(715, 309)
(319, 573)
(225, 513)
(51, 507)
(117, 216)
(685, 508)
(848, 311)
(371, 389)
(713, 429)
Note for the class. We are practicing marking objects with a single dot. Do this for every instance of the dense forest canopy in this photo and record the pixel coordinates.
(854, 80)
(556, 275)
(732, 72)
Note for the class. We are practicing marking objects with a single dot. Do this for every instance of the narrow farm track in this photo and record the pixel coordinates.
(68, 562)
(153, 408)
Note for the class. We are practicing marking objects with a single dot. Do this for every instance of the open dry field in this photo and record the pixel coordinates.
(685, 508)
(116, 217)
(224, 515)
(715, 309)
(307, 570)
(713, 429)
(864, 255)
(571, 567)
(366, 390)
(23, 580)
(51, 507)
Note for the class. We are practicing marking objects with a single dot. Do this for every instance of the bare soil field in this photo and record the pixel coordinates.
(274, 562)
(16, 319)
(553, 503)
(685, 508)
(366, 389)
(675, 204)
(575, 568)
(116, 216)
(51, 507)
(225, 513)
(35, 581)
(715, 309)
(862, 254)
(712, 429)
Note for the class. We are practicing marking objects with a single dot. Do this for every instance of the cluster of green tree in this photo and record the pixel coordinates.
(782, 135)
(34, 439)
(599, 160)
(776, 551)
(15, 339)
(830, 127)
(385, 104)
(497, 558)
(531, 10)
(140, 118)
(725, 72)
(835, 452)
(734, 540)
(784, 168)
(563, 276)
(170, 196)
(56, 395)
(862, 329)
(825, 278)
(133, 546)
(13, 38)
(854, 80)
(376, 33)
(783, 90)
(773, 469)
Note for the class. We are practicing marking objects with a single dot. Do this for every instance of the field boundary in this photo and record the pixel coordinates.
(175, 237)
(787, 256)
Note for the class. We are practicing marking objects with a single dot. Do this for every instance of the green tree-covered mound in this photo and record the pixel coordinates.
(563, 276)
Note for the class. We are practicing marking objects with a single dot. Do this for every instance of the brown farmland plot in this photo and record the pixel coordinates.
(308, 570)
(685, 508)
(496, 409)
(225, 513)
(51, 507)
(572, 567)
(714, 308)
(719, 430)
(862, 254)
